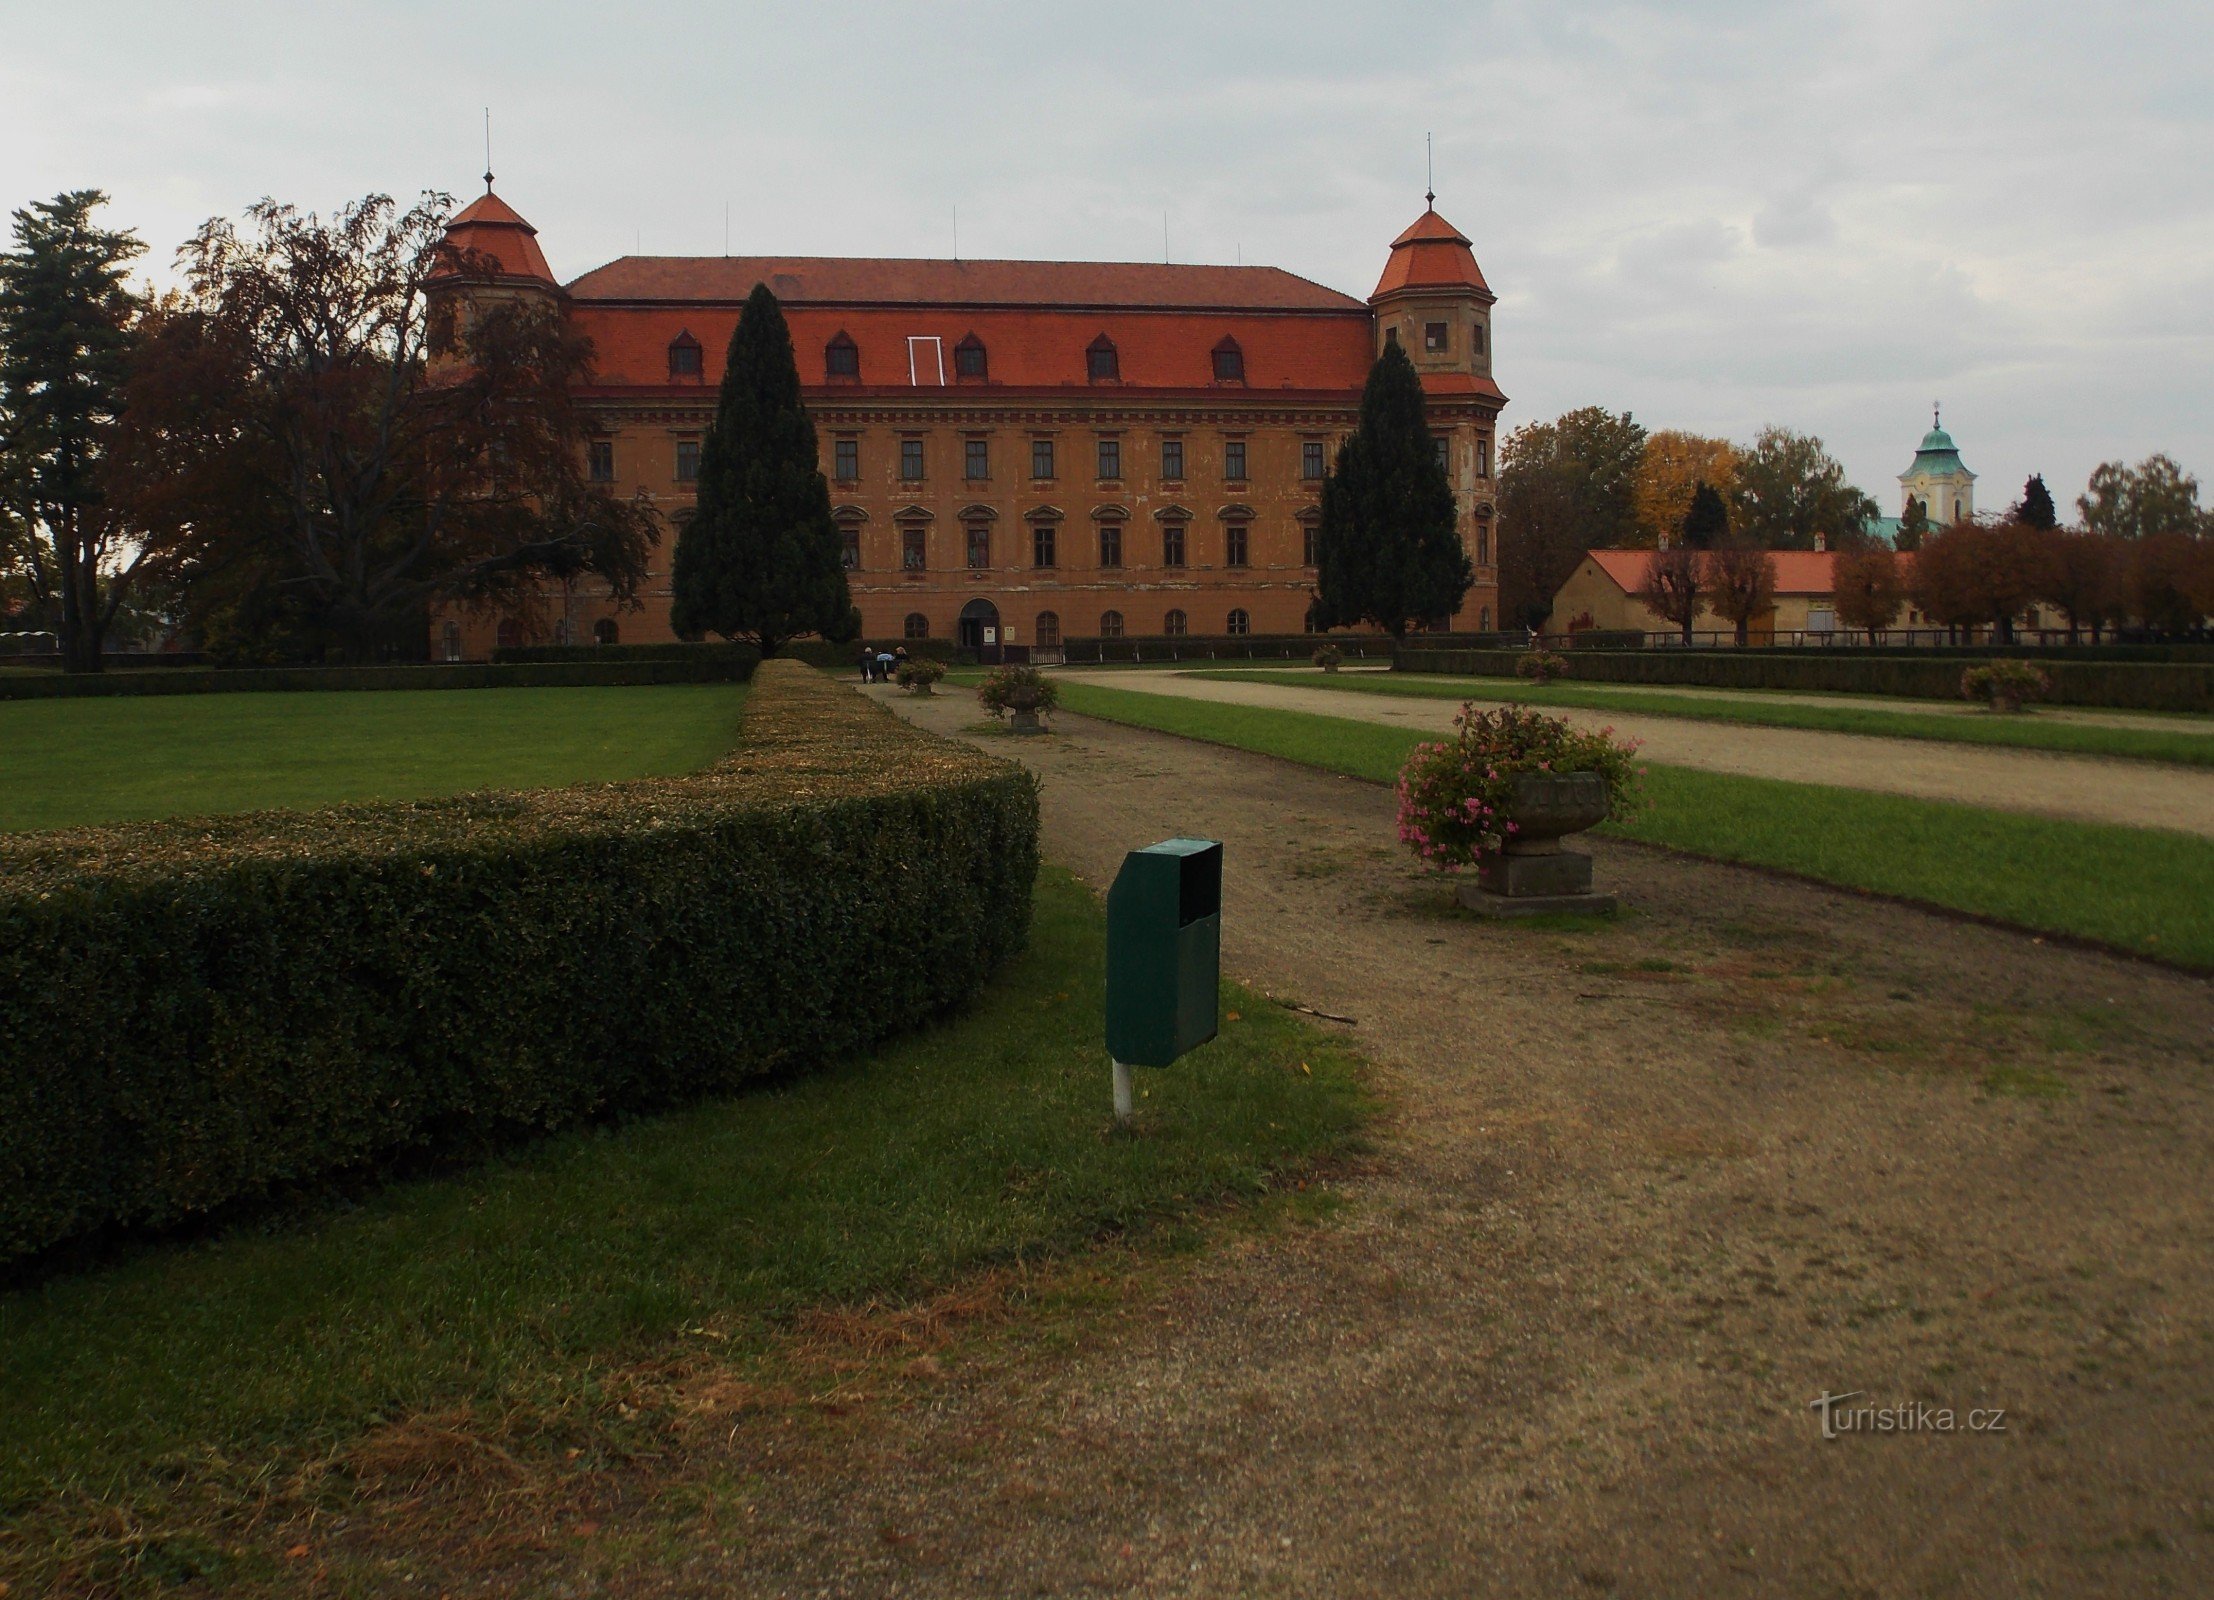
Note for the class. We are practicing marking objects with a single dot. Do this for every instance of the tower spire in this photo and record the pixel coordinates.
(487, 149)
(1430, 174)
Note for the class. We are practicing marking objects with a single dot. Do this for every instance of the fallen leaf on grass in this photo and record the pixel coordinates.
(294, 1554)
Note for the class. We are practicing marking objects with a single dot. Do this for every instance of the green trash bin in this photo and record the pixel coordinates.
(1164, 955)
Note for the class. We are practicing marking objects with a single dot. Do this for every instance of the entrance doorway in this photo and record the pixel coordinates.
(976, 617)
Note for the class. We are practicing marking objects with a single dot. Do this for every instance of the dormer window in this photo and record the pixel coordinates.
(842, 357)
(969, 359)
(1100, 362)
(684, 356)
(1229, 362)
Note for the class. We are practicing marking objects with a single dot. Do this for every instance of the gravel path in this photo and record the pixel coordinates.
(2087, 788)
(1641, 1195)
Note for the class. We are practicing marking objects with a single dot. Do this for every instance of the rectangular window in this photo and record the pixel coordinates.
(688, 461)
(1476, 339)
(1310, 460)
(847, 454)
(1110, 458)
(1234, 545)
(1110, 544)
(1311, 544)
(1233, 460)
(1172, 460)
(1041, 546)
(980, 544)
(1483, 547)
(1041, 458)
(1435, 338)
(600, 457)
(911, 556)
(1483, 458)
(968, 359)
(1172, 544)
(849, 544)
(1442, 448)
(979, 458)
(910, 460)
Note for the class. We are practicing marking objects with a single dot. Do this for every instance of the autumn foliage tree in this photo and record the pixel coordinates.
(1565, 486)
(1670, 471)
(2086, 579)
(1869, 591)
(1675, 585)
(1741, 578)
(327, 407)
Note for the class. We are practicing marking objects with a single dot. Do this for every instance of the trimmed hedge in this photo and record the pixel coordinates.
(563, 674)
(2132, 685)
(194, 1012)
(1226, 647)
(815, 652)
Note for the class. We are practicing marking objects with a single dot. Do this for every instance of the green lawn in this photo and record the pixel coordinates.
(174, 1382)
(2135, 888)
(67, 762)
(2028, 732)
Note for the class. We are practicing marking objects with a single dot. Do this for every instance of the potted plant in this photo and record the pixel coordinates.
(918, 673)
(1329, 657)
(1540, 665)
(1022, 691)
(2004, 685)
(1502, 794)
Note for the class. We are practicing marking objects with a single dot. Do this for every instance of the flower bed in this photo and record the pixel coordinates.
(1456, 797)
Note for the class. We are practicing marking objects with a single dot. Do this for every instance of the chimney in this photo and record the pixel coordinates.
(1821, 541)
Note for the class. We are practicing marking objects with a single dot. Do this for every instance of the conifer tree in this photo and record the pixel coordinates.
(759, 557)
(1707, 519)
(1914, 527)
(2038, 510)
(1388, 552)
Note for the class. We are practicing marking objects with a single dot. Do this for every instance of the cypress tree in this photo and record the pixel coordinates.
(2038, 510)
(1706, 519)
(1388, 552)
(758, 559)
(1914, 527)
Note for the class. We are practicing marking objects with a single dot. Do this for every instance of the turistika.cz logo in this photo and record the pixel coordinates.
(1908, 1416)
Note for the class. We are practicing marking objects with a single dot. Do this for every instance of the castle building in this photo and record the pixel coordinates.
(1025, 452)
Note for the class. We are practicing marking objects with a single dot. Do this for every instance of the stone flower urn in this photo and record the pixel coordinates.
(1535, 873)
(1022, 709)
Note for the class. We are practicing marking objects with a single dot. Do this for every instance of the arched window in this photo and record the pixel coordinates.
(449, 638)
(842, 357)
(918, 625)
(684, 356)
(1101, 364)
(1110, 624)
(969, 360)
(561, 630)
(1175, 624)
(1240, 623)
(1049, 630)
(1229, 362)
(605, 631)
(510, 634)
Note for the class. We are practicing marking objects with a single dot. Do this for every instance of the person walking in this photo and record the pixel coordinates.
(868, 665)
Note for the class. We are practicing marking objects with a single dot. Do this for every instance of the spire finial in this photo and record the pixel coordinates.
(1430, 170)
(1934, 414)
(487, 149)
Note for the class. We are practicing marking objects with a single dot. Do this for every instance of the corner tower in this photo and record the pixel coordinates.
(1433, 303)
(490, 254)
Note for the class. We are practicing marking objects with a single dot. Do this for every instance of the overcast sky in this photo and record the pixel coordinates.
(1716, 215)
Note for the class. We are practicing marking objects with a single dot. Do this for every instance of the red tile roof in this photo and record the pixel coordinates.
(1430, 254)
(1024, 348)
(490, 228)
(860, 281)
(1797, 571)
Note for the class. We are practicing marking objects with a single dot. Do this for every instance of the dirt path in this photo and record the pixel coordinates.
(2137, 794)
(1641, 1195)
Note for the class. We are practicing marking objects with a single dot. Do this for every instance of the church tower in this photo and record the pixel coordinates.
(1946, 488)
(1433, 303)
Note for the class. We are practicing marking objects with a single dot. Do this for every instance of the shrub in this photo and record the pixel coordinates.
(917, 674)
(1008, 689)
(194, 1012)
(528, 674)
(1328, 657)
(1453, 797)
(2004, 684)
(1540, 666)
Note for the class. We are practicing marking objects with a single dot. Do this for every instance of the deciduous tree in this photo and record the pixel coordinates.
(2086, 579)
(759, 558)
(1790, 490)
(373, 441)
(66, 316)
(1670, 470)
(1742, 580)
(1943, 585)
(1388, 551)
(1869, 591)
(2155, 496)
(1565, 486)
(1675, 584)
